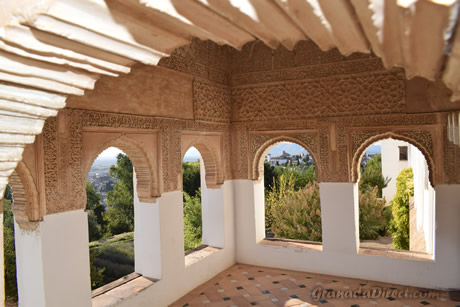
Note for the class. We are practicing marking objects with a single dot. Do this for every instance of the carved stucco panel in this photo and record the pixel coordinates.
(371, 93)
(211, 102)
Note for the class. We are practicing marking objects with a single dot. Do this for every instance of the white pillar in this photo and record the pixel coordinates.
(339, 217)
(147, 247)
(2, 269)
(53, 262)
(212, 212)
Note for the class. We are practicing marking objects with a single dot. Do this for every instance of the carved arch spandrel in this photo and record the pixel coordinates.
(148, 187)
(210, 147)
(26, 204)
(422, 139)
(262, 143)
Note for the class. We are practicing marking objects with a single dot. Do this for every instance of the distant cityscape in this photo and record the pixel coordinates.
(99, 176)
(302, 159)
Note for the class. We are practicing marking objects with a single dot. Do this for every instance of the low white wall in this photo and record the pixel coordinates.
(339, 205)
(212, 209)
(147, 236)
(53, 262)
(176, 279)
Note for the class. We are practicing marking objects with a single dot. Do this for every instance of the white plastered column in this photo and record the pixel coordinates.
(2, 262)
(147, 245)
(212, 212)
(53, 262)
(339, 217)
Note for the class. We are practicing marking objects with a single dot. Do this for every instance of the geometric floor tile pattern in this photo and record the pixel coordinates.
(246, 285)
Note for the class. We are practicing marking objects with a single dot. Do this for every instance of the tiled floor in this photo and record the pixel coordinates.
(246, 285)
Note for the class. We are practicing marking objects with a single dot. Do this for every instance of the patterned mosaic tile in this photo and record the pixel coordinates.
(245, 285)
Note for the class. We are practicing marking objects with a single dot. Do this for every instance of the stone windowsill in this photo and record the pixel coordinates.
(397, 254)
(195, 255)
(293, 244)
(120, 289)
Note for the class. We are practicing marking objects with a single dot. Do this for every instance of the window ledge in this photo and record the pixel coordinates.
(195, 255)
(397, 254)
(293, 244)
(120, 289)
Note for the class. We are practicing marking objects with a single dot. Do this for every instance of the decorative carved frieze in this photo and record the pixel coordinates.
(200, 59)
(211, 102)
(349, 95)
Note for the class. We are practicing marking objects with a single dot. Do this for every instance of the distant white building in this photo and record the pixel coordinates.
(396, 156)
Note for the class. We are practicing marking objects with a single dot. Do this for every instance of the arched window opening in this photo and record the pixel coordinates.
(191, 187)
(110, 207)
(396, 199)
(9, 251)
(292, 199)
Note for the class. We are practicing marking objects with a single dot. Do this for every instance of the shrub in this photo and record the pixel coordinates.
(278, 193)
(295, 214)
(371, 176)
(371, 215)
(97, 274)
(192, 220)
(399, 225)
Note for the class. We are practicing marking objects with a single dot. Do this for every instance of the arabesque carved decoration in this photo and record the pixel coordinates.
(370, 93)
(330, 104)
(211, 102)
(26, 205)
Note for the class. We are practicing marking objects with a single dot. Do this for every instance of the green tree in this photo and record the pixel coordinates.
(191, 177)
(120, 201)
(371, 176)
(96, 210)
(302, 175)
(399, 224)
(8, 194)
(270, 176)
(192, 220)
(9, 252)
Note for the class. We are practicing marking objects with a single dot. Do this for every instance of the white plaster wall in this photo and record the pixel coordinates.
(2, 269)
(29, 267)
(53, 262)
(391, 166)
(147, 246)
(339, 205)
(64, 239)
(176, 279)
(212, 213)
(423, 197)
